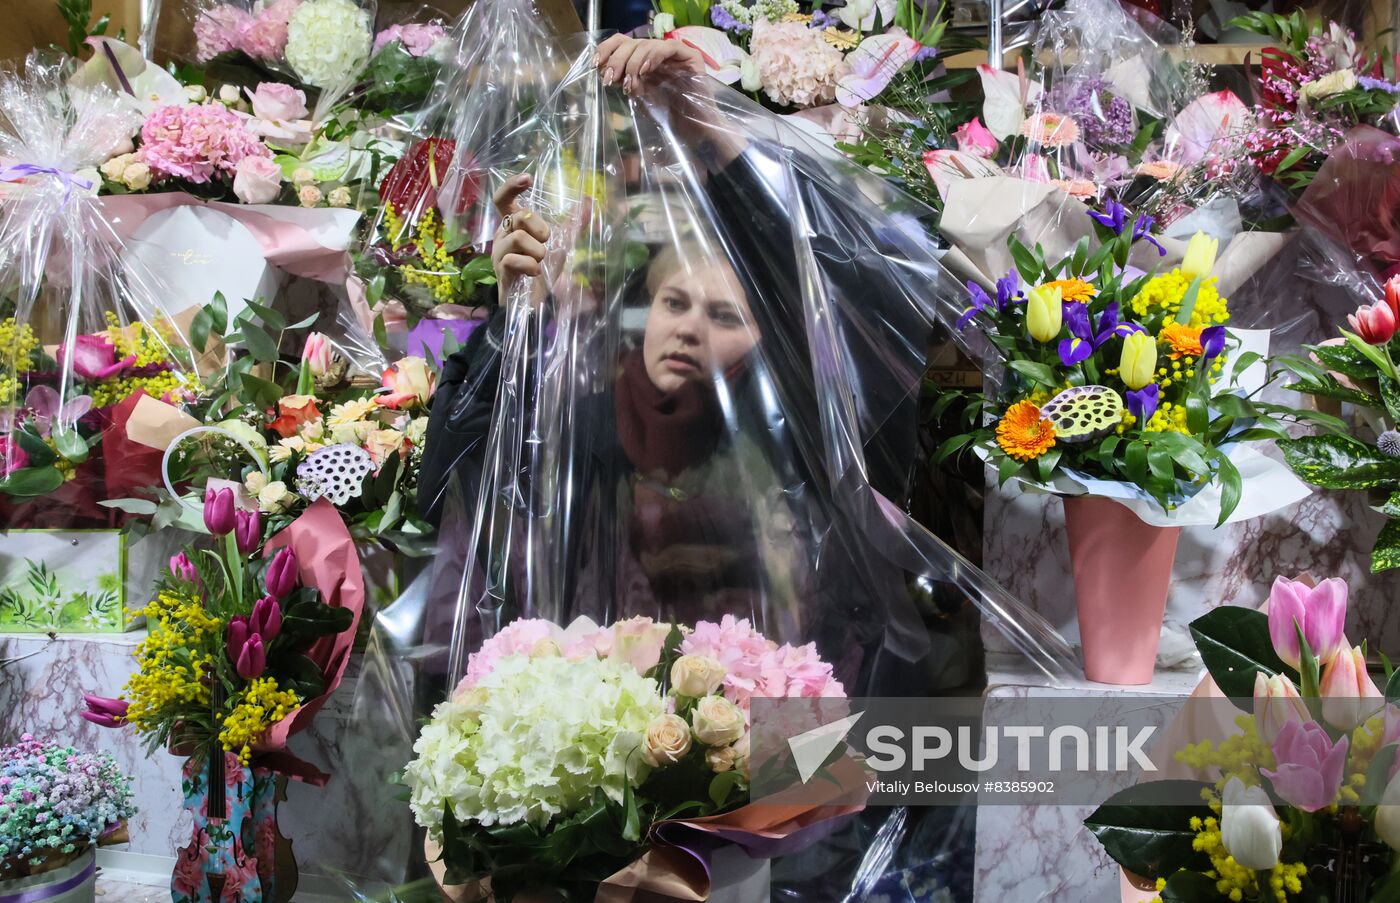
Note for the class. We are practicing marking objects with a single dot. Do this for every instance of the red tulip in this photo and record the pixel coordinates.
(1392, 295)
(104, 711)
(281, 575)
(266, 621)
(247, 530)
(218, 511)
(252, 658)
(1375, 323)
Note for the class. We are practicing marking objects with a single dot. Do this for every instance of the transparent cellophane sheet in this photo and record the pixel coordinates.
(1111, 106)
(701, 407)
(84, 326)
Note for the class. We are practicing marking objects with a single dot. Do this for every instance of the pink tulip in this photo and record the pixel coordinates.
(1375, 323)
(236, 636)
(1392, 296)
(252, 659)
(1276, 703)
(318, 354)
(218, 511)
(104, 711)
(247, 530)
(281, 575)
(973, 138)
(1310, 766)
(183, 568)
(266, 620)
(1345, 689)
(1320, 610)
(94, 357)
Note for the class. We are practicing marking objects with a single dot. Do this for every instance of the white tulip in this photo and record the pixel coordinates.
(1249, 827)
(1388, 815)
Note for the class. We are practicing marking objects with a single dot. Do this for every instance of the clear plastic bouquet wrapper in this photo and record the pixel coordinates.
(1112, 115)
(87, 359)
(699, 411)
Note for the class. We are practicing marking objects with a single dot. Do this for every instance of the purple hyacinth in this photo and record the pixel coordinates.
(1103, 117)
(725, 21)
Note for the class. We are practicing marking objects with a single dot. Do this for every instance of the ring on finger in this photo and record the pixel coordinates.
(508, 223)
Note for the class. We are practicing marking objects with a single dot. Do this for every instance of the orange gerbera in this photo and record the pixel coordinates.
(1023, 434)
(1182, 339)
(1050, 129)
(1072, 289)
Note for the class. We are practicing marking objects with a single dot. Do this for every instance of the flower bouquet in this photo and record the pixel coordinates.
(525, 788)
(247, 640)
(1119, 391)
(56, 805)
(1363, 454)
(1298, 801)
(1312, 90)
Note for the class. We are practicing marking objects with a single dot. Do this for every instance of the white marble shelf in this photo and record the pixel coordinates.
(1034, 853)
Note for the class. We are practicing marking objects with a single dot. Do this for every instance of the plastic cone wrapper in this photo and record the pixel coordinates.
(85, 334)
(700, 413)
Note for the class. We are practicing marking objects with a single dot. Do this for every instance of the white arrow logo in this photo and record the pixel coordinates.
(811, 748)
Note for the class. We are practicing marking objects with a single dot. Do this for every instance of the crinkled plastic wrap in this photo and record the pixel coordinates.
(704, 405)
(1107, 113)
(87, 363)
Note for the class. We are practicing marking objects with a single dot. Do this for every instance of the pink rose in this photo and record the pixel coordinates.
(417, 40)
(12, 457)
(95, 357)
(275, 101)
(973, 138)
(257, 180)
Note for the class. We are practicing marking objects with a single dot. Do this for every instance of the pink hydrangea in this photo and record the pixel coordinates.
(418, 40)
(219, 30)
(196, 142)
(756, 666)
(796, 66)
(265, 38)
(521, 637)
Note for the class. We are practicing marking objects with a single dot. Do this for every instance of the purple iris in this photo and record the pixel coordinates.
(1212, 342)
(1142, 403)
(980, 302)
(1141, 230)
(1084, 339)
(1114, 216)
(1009, 291)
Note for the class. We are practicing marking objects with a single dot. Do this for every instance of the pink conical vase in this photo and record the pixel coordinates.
(1122, 571)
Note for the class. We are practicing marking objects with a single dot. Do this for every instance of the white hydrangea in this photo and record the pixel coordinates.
(532, 741)
(327, 41)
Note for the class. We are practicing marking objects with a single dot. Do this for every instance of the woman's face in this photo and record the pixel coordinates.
(698, 327)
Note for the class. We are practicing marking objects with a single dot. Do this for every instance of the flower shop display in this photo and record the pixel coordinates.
(645, 731)
(247, 640)
(1120, 392)
(1362, 453)
(1296, 802)
(57, 805)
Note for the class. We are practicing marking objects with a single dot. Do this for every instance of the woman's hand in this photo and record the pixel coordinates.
(635, 63)
(519, 248)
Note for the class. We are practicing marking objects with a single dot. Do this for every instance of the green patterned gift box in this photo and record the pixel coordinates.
(75, 581)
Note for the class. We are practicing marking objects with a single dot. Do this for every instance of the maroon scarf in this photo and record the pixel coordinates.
(665, 432)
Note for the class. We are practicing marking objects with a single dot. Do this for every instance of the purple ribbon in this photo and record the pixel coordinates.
(18, 172)
(49, 891)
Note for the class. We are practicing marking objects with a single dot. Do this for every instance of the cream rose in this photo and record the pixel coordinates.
(717, 721)
(309, 195)
(275, 497)
(339, 197)
(721, 758)
(115, 168)
(667, 741)
(696, 675)
(255, 483)
(1331, 83)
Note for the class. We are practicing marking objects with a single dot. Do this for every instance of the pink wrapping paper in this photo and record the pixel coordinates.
(326, 560)
(287, 246)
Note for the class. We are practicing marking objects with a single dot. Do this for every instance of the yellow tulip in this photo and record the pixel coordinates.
(1200, 256)
(1139, 360)
(1044, 312)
